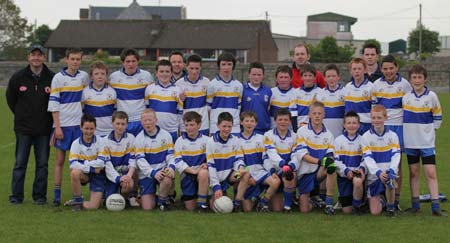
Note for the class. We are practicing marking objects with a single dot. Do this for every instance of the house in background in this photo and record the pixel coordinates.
(249, 40)
(318, 27)
(134, 11)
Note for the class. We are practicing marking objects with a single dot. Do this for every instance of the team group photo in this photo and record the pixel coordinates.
(193, 142)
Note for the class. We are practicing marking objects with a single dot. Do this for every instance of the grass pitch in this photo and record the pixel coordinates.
(30, 223)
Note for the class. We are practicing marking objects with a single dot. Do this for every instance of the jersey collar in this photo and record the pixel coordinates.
(112, 137)
(65, 73)
(332, 91)
(372, 130)
(81, 141)
(220, 78)
(365, 81)
(219, 139)
(349, 139)
(138, 70)
(288, 134)
(324, 129)
(399, 78)
(185, 136)
(154, 136)
(424, 92)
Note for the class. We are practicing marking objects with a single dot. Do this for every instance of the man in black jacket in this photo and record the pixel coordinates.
(27, 96)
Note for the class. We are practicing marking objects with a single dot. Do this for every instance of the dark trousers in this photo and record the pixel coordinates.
(41, 154)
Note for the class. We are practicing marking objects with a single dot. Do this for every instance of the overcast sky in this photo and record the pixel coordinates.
(384, 20)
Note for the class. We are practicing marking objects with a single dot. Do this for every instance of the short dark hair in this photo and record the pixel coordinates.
(194, 58)
(283, 69)
(88, 118)
(227, 57)
(308, 68)
(73, 50)
(119, 115)
(331, 67)
(257, 65)
(129, 52)
(192, 116)
(351, 113)
(245, 114)
(370, 46)
(224, 116)
(417, 69)
(177, 53)
(163, 62)
(282, 112)
(389, 59)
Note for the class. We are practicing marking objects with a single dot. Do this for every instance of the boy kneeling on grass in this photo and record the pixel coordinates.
(85, 167)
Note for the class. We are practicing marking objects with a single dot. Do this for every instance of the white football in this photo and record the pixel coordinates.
(223, 205)
(115, 202)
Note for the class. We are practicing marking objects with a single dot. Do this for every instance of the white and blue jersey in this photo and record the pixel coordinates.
(347, 154)
(190, 152)
(130, 91)
(100, 104)
(316, 144)
(422, 115)
(153, 153)
(299, 106)
(224, 96)
(195, 92)
(279, 149)
(389, 95)
(118, 155)
(83, 156)
(333, 101)
(222, 157)
(65, 96)
(280, 99)
(166, 103)
(381, 152)
(258, 101)
(254, 156)
(358, 98)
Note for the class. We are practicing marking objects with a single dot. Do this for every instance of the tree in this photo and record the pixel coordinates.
(40, 35)
(328, 51)
(13, 28)
(430, 41)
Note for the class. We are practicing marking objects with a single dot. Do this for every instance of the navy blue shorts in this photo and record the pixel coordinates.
(307, 183)
(148, 185)
(375, 188)
(111, 188)
(70, 134)
(345, 187)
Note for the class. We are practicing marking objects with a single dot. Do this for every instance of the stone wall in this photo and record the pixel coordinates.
(438, 73)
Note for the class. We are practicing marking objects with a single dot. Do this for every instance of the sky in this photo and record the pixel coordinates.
(384, 20)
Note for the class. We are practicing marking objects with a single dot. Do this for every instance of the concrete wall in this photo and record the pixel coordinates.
(438, 73)
(319, 30)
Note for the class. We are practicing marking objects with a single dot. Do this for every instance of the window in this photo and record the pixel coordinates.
(343, 27)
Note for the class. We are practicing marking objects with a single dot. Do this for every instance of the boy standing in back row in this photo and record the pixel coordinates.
(129, 83)
(65, 105)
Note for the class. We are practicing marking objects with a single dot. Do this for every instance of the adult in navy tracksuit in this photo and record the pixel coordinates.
(27, 97)
(256, 97)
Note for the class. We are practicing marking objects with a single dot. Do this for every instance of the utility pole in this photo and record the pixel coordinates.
(420, 29)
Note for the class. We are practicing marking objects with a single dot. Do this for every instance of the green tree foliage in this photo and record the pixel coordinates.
(40, 35)
(328, 51)
(430, 41)
(13, 30)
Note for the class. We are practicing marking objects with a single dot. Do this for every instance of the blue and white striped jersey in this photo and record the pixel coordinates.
(84, 156)
(334, 109)
(130, 91)
(358, 98)
(65, 96)
(190, 152)
(422, 115)
(101, 104)
(280, 99)
(254, 154)
(299, 107)
(153, 153)
(279, 149)
(224, 96)
(347, 153)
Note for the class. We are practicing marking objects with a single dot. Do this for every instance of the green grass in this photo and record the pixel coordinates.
(29, 223)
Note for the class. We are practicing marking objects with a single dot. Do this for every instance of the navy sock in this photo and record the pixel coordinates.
(329, 201)
(201, 200)
(288, 195)
(435, 205)
(356, 203)
(57, 192)
(415, 202)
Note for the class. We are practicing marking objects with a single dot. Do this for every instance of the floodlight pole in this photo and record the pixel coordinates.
(420, 29)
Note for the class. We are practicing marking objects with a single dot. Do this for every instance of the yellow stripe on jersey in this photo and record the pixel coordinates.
(333, 104)
(154, 150)
(416, 109)
(67, 89)
(128, 86)
(253, 150)
(318, 146)
(357, 99)
(99, 103)
(348, 153)
(280, 104)
(283, 151)
(82, 157)
(381, 148)
(189, 153)
(222, 156)
(161, 98)
(227, 94)
(191, 94)
(436, 110)
(303, 102)
(388, 95)
(116, 153)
